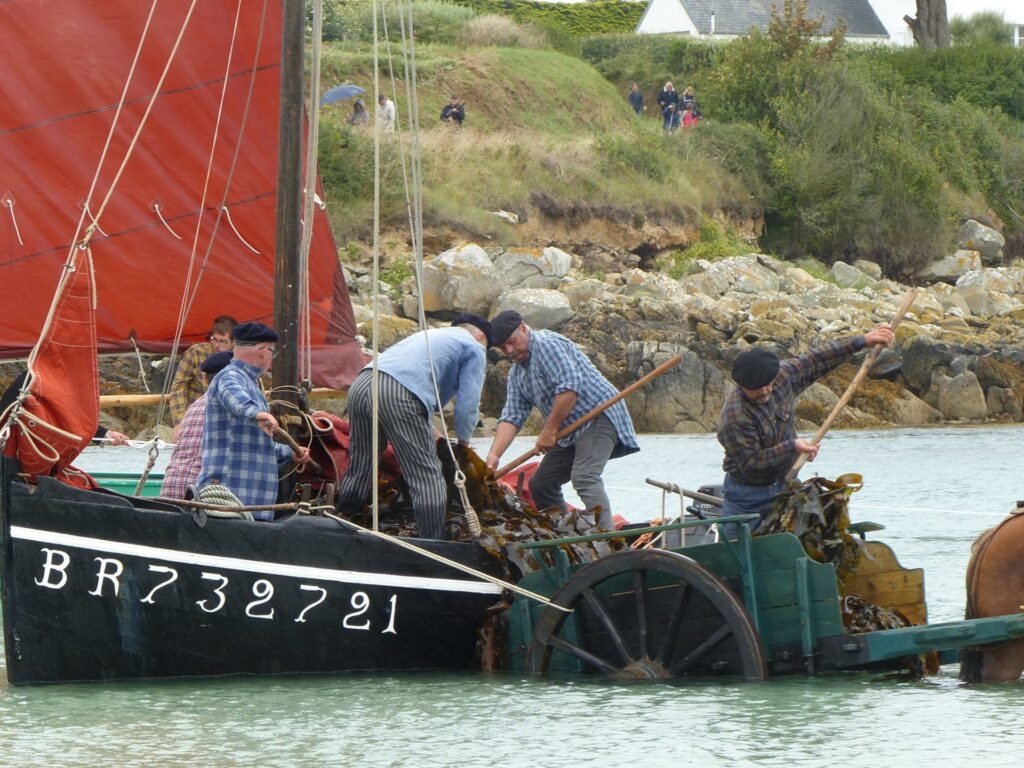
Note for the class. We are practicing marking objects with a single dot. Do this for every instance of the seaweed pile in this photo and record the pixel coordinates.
(506, 521)
(817, 512)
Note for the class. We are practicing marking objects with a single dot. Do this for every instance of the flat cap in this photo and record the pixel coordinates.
(215, 363)
(503, 325)
(755, 368)
(482, 323)
(253, 333)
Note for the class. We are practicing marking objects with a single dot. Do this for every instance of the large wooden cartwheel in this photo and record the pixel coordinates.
(648, 615)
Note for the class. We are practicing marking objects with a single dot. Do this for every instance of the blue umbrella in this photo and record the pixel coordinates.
(340, 93)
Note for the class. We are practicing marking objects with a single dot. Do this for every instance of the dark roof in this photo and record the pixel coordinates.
(736, 17)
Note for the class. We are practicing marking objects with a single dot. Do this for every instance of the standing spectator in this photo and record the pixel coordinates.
(668, 95)
(385, 115)
(359, 114)
(688, 97)
(453, 112)
(550, 373)
(671, 118)
(189, 382)
(690, 116)
(636, 99)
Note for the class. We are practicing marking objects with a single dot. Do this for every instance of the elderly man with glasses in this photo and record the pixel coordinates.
(189, 382)
(238, 450)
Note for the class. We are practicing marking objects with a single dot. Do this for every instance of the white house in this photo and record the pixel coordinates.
(733, 18)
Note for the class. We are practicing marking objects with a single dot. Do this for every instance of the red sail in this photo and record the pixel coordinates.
(58, 418)
(66, 65)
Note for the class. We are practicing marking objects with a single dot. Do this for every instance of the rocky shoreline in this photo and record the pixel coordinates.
(959, 357)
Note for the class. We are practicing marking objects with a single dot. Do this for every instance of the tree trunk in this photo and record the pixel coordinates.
(931, 27)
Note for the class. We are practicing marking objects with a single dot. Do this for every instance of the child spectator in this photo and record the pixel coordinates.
(453, 112)
(671, 118)
(636, 99)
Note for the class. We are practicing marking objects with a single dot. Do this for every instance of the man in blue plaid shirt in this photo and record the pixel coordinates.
(757, 423)
(238, 450)
(549, 372)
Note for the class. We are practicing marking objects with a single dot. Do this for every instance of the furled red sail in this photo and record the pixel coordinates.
(55, 421)
(204, 169)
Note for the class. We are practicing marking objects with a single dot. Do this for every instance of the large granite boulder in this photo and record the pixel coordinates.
(959, 397)
(540, 308)
(532, 268)
(461, 279)
(951, 268)
(921, 356)
(744, 274)
(975, 236)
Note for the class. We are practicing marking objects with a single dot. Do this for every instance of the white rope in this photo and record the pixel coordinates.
(189, 298)
(85, 208)
(138, 444)
(8, 201)
(454, 564)
(310, 198)
(157, 208)
(375, 301)
(142, 367)
(227, 215)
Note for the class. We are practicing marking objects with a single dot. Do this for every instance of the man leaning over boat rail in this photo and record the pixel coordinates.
(550, 372)
(407, 398)
(758, 420)
(238, 450)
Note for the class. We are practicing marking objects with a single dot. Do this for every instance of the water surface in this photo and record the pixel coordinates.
(934, 490)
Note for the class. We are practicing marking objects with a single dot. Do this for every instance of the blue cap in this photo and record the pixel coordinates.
(253, 333)
(475, 320)
(215, 363)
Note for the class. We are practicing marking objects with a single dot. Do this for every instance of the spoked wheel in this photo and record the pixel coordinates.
(647, 615)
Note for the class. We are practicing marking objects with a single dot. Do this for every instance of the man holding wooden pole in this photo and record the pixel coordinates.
(550, 372)
(757, 423)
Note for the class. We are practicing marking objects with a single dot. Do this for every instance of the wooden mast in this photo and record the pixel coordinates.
(289, 197)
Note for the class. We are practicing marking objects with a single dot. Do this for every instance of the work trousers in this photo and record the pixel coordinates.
(405, 423)
(748, 500)
(581, 463)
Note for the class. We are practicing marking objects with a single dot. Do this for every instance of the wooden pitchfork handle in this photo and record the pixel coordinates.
(848, 394)
(597, 411)
(291, 442)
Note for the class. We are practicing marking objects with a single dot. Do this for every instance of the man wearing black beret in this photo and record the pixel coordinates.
(550, 373)
(757, 423)
(238, 449)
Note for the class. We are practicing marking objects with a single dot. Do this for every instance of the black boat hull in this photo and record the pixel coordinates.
(97, 586)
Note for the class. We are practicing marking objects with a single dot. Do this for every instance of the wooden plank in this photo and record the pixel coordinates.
(883, 581)
(137, 401)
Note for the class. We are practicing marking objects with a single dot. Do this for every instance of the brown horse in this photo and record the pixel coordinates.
(995, 586)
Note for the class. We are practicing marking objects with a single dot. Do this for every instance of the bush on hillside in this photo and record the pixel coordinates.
(580, 19)
(432, 21)
(981, 28)
(493, 29)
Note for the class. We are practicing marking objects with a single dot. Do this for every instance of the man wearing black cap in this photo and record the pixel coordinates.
(550, 372)
(186, 459)
(238, 450)
(757, 423)
(408, 395)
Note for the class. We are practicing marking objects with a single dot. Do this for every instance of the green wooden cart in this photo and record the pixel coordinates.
(747, 608)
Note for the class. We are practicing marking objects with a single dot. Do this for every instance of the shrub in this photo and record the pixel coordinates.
(714, 244)
(496, 30)
(591, 18)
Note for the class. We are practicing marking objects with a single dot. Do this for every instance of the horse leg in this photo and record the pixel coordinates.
(1003, 663)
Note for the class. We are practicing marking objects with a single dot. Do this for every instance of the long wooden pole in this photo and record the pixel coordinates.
(139, 401)
(597, 411)
(852, 388)
(291, 442)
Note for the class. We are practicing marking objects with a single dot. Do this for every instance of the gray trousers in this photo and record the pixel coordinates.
(581, 463)
(405, 424)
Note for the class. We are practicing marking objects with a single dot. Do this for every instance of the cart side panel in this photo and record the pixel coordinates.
(881, 580)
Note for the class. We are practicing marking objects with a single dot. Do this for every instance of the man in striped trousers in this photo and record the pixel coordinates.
(408, 395)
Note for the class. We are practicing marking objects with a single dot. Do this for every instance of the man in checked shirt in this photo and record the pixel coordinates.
(757, 423)
(550, 372)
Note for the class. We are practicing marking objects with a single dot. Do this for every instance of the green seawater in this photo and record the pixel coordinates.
(934, 490)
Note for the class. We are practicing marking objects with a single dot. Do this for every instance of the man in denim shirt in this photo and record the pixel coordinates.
(551, 373)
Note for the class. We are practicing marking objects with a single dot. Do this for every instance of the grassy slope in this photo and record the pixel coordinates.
(538, 123)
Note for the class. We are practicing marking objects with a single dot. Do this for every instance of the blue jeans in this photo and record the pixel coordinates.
(748, 500)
